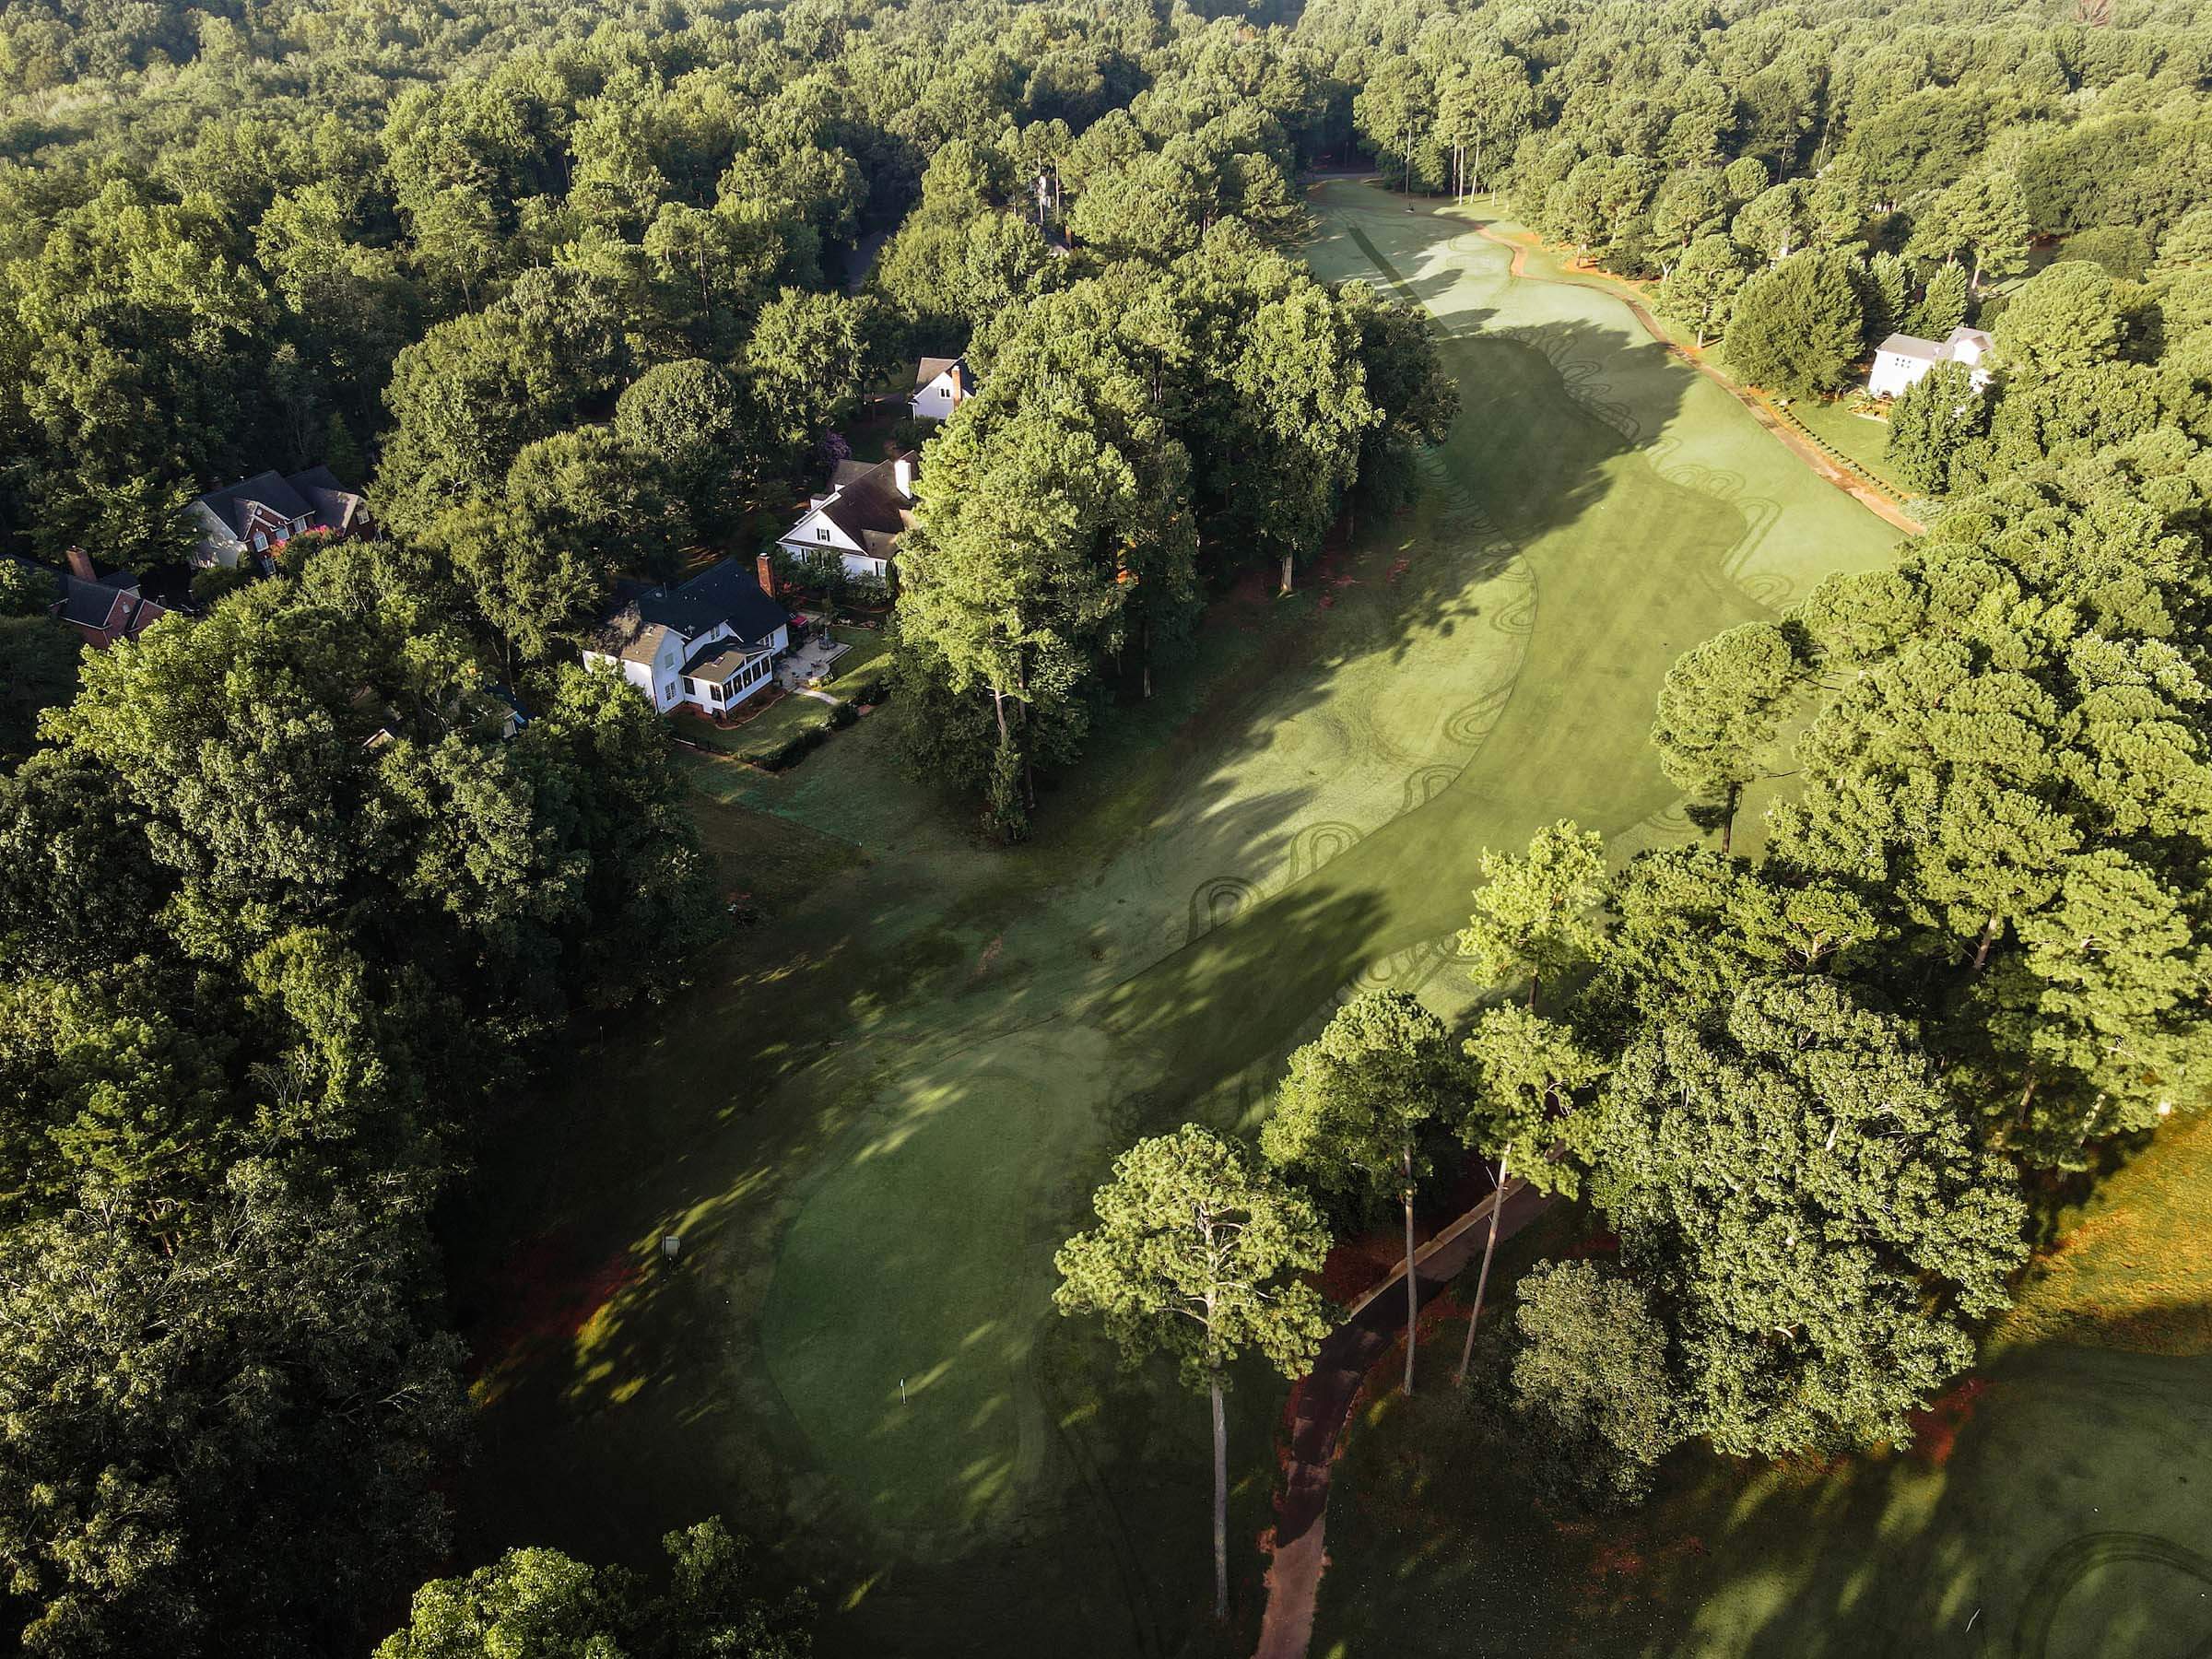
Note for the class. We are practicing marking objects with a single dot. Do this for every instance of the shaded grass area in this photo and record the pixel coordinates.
(2054, 1504)
(878, 1113)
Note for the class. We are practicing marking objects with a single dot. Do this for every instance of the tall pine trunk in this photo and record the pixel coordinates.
(1221, 1502)
(1286, 587)
(1728, 823)
(1413, 1293)
(1482, 1281)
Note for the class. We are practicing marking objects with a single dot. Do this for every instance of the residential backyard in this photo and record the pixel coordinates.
(885, 1105)
(1859, 438)
(781, 731)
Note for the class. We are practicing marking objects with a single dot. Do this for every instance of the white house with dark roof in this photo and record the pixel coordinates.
(1903, 360)
(861, 518)
(940, 386)
(712, 643)
(246, 518)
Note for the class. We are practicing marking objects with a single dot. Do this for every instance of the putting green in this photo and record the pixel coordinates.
(878, 1126)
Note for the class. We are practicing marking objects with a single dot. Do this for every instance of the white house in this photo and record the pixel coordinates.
(1902, 360)
(712, 643)
(861, 517)
(939, 385)
(265, 511)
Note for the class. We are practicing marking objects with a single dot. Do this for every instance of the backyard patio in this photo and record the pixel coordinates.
(808, 665)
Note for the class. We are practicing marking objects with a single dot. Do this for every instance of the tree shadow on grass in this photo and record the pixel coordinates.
(640, 1398)
(2052, 1504)
(2051, 1507)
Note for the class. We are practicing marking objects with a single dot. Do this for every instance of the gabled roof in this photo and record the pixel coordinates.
(870, 501)
(336, 507)
(113, 605)
(722, 595)
(719, 660)
(234, 503)
(1912, 346)
(930, 368)
(315, 495)
(1964, 335)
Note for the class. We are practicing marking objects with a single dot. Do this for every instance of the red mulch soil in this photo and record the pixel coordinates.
(1617, 1564)
(1355, 1264)
(1935, 1430)
(552, 1294)
(1358, 1265)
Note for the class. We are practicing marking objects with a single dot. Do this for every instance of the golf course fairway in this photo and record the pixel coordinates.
(879, 1113)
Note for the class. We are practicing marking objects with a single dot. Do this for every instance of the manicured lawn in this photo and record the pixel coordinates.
(764, 738)
(1859, 440)
(783, 734)
(880, 1111)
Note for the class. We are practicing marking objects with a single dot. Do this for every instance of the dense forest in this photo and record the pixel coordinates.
(285, 907)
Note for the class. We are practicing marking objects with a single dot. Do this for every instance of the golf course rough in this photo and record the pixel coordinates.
(875, 1129)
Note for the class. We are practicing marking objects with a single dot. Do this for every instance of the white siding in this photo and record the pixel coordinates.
(1893, 371)
(814, 533)
(934, 401)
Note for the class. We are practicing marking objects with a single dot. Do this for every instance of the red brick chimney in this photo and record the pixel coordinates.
(80, 565)
(766, 568)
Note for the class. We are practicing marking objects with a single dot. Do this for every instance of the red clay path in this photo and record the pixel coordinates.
(1325, 1400)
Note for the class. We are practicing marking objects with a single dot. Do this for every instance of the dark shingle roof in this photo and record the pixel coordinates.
(335, 506)
(315, 495)
(930, 368)
(871, 501)
(267, 489)
(112, 604)
(724, 592)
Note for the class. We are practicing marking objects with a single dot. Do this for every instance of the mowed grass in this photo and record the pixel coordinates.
(2053, 1506)
(880, 1112)
(1859, 438)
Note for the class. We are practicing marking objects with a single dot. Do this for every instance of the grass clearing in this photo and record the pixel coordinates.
(1859, 438)
(878, 1112)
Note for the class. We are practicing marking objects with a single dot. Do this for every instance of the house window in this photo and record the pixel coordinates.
(822, 534)
(261, 542)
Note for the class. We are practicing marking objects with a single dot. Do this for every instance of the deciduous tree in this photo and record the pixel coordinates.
(1193, 1257)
